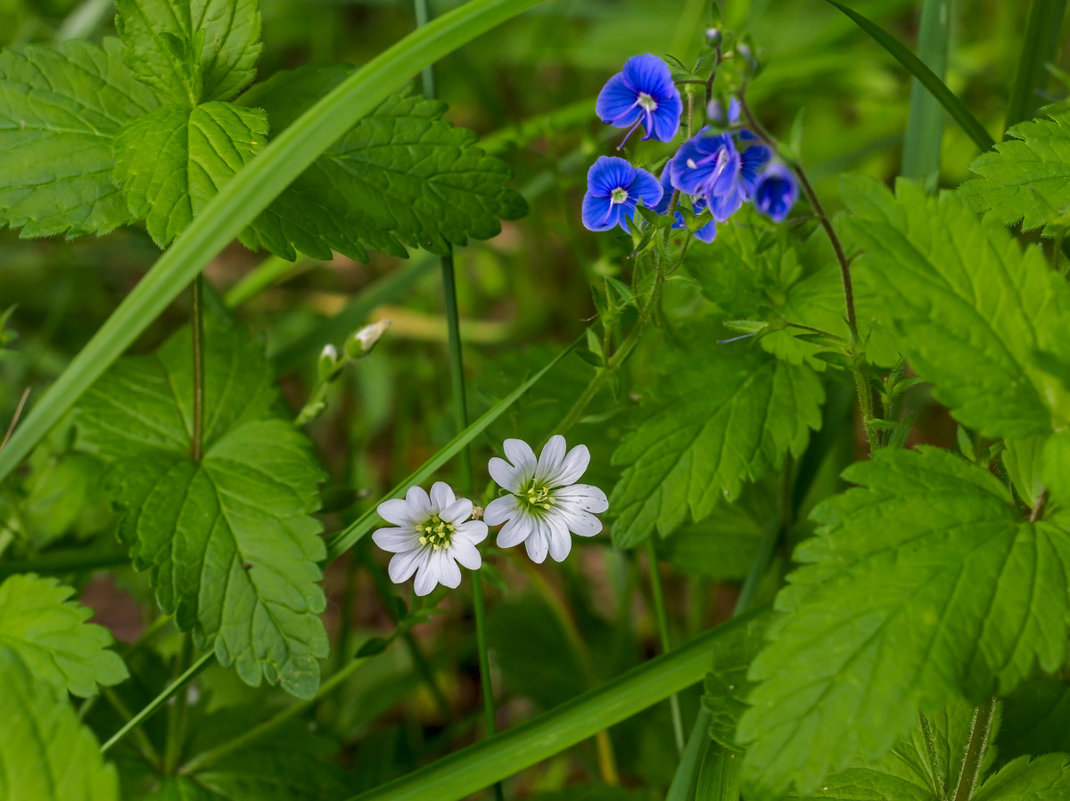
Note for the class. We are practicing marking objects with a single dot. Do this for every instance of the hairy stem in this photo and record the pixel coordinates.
(980, 728)
(197, 325)
(661, 620)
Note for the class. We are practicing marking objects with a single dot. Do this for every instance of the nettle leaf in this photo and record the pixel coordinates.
(231, 542)
(1046, 778)
(726, 684)
(922, 583)
(978, 316)
(1027, 178)
(47, 631)
(59, 112)
(401, 176)
(47, 755)
(173, 161)
(192, 51)
(724, 415)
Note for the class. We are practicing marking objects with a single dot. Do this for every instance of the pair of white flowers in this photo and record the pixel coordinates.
(542, 507)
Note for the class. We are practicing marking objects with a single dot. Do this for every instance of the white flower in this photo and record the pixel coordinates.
(545, 502)
(432, 535)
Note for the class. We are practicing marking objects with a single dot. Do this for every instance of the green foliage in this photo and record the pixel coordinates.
(1046, 778)
(171, 162)
(727, 686)
(47, 754)
(47, 632)
(1027, 178)
(59, 111)
(922, 583)
(230, 541)
(979, 317)
(401, 176)
(191, 52)
(724, 415)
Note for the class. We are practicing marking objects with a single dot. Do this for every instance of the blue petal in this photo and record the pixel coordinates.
(599, 214)
(649, 74)
(707, 233)
(753, 159)
(776, 192)
(698, 149)
(725, 205)
(616, 104)
(666, 118)
(645, 187)
(609, 173)
(734, 108)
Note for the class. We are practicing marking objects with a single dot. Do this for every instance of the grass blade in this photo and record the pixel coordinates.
(479, 766)
(925, 76)
(925, 130)
(1042, 34)
(246, 195)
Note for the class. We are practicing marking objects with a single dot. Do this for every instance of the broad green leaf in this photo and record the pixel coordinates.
(231, 542)
(723, 415)
(1023, 461)
(191, 51)
(727, 685)
(47, 755)
(59, 112)
(48, 632)
(401, 176)
(1055, 471)
(1046, 778)
(978, 316)
(1027, 178)
(1035, 719)
(171, 162)
(923, 583)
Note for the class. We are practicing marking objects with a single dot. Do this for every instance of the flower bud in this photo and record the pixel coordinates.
(328, 362)
(714, 37)
(361, 342)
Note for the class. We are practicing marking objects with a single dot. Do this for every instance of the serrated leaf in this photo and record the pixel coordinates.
(192, 51)
(973, 309)
(726, 684)
(59, 112)
(724, 415)
(48, 632)
(1046, 778)
(922, 583)
(231, 542)
(401, 176)
(171, 162)
(47, 755)
(1027, 178)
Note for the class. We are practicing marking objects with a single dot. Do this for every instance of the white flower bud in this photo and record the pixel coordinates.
(362, 341)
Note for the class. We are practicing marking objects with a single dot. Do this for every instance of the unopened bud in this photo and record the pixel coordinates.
(714, 37)
(361, 342)
(748, 58)
(328, 362)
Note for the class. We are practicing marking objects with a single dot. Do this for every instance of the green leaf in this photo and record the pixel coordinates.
(727, 685)
(401, 176)
(47, 631)
(173, 161)
(191, 51)
(1046, 778)
(1023, 461)
(231, 542)
(923, 583)
(59, 112)
(975, 311)
(1035, 719)
(724, 415)
(1055, 469)
(1027, 178)
(47, 755)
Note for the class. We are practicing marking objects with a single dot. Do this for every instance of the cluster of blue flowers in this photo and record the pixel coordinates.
(718, 171)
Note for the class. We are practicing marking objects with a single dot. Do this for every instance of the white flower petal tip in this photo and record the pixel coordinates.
(431, 534)
(544, 506)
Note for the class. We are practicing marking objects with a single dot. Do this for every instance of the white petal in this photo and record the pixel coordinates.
(457, 512)
(538, 544)
(396, 511)
(471, 532)
(419, 503)
(515, 531)
(426, 578)
(580, 522)
(499, 510)
(521, 455)
(560, 540)
(441, 496)
(466, 553)
(403, 565)
(572, 466)
(505, 475)
(590, 499)
(449, 574)
(396, 540)
(550, 458)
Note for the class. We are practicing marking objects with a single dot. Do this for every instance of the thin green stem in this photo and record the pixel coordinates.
(141, 742)
(197, 324)
(980, 728)
(661, 620)
(268, 273)
(176, 713)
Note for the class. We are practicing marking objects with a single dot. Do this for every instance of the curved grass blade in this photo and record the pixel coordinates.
(1042, 34)
(246, 195)
(478, 766)
(936, 87)
(925, 129)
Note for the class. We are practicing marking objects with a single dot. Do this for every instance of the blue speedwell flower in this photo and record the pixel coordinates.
(707, 233)
(776, 191)
(711, 167)
(614, 187)
(643, 92)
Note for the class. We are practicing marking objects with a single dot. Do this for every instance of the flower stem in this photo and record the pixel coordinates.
(197, 326)
(980, 728)
(661, 620)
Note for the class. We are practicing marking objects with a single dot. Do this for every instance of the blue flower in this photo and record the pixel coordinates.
(706, 233)
(710, 166)
(614, 187)
(643, 92)
(776, 191)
